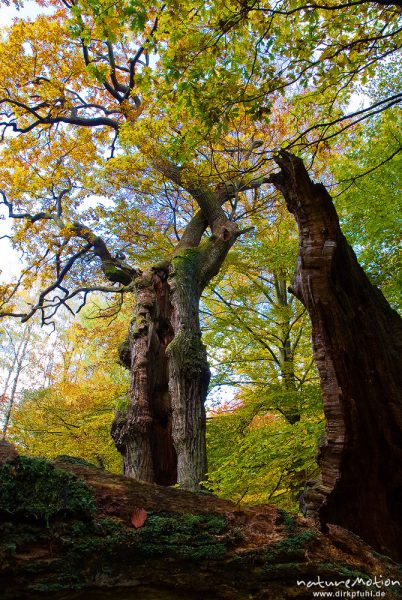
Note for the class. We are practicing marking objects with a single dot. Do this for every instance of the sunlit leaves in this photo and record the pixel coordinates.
(72, 414)
(369, 176)
(256, 456)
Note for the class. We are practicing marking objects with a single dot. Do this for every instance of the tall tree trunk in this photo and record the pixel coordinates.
(357, 343)
(189, 373)
(161, 435)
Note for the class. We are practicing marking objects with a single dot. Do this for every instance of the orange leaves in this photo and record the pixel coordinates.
(138, 517)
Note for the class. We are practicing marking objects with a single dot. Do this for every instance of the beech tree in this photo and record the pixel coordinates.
(318, 55)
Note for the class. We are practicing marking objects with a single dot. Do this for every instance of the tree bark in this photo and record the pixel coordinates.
(162, 433)
(357, 343)
(143, 433)
(189, 373)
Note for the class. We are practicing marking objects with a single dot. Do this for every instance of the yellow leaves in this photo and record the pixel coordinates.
(41, 66)
(73, 415)
(67, 231)
(326, 53)
(131, 111)
(7, 301)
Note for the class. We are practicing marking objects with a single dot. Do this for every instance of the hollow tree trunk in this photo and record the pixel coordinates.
(162, 434)
(357, 343)
(143, 433)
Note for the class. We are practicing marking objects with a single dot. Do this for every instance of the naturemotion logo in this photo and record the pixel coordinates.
(346, 588)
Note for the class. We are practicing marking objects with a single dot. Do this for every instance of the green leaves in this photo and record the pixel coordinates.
(369, 176)
(256, 456)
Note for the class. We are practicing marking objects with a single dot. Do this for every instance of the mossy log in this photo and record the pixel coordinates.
(71, 531)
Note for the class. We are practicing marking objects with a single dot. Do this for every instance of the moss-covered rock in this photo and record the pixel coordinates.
(32, 488)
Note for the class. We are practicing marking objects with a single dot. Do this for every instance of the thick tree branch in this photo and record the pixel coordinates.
(193, 232)
(115, 269)
(206, 199)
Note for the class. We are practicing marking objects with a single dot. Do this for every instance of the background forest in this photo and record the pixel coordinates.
(215, 91)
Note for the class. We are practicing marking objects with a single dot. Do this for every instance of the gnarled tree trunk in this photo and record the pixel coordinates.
(161, 435)
(143, 433)
(357, 343)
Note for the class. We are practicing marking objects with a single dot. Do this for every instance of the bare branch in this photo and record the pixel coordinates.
(26, 215)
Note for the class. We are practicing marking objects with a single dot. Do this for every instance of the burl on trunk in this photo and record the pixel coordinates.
(357, 343)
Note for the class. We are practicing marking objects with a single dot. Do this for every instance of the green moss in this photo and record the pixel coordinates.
(124, 353)
(186, 262)
(291, 548)
(182, 536)
(87, 547)
(286, 519)
(284, 570)
(32, 488)
(115, 273)
(102, 546)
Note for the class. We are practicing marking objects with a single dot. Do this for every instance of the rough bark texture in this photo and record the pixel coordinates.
(69, 539)
(161, 434)
(188, 370)
(143, 433)
(357, 343)
(192, 268)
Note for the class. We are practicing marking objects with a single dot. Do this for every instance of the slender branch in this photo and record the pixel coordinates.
(364, 113)
(28, 216)
(56, 301)
(49, 120)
